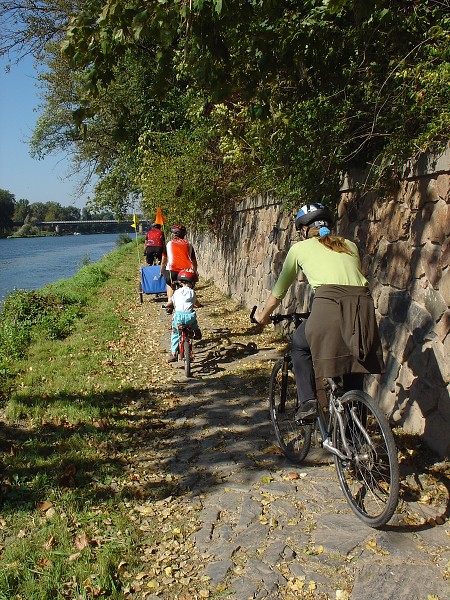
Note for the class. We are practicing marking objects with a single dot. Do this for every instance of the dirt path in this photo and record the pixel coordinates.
(241, 521)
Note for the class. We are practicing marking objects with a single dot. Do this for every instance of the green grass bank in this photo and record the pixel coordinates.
(68, 521)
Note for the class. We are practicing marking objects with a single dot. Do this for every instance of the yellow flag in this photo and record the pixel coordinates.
(135, 221)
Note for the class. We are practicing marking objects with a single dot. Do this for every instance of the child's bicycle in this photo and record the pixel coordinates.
(353, 429)
(185, 352)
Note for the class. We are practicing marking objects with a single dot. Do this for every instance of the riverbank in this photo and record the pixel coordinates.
(122, 479)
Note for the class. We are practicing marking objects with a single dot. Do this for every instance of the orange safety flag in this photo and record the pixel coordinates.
(159, 219)
(135, 221)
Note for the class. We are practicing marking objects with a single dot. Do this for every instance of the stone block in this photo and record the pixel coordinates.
(391, 373)
(400, 581)
(432, 193)
(443, 185)
(423, 394)
(387, 333)
(397, 225)
(444, 404)
(437, 435)
(218, 570)
(442, 328)
(444, 260)
(406, 377)
(412, 419)
(425, 262)
(372, 385)
(431, 222)
(399, 303)
(419, 322)
(381, 300)
(444, 286)
(441, 358)
(434, 303)
(395, 266)
(413, 196)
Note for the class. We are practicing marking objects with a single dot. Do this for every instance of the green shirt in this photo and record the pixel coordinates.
(320, 265)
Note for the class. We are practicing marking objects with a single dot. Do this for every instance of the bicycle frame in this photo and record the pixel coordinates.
(186, 332)
(335, 406)
(335, 409)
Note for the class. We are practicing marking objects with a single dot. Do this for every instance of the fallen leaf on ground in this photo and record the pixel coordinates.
(82, 541)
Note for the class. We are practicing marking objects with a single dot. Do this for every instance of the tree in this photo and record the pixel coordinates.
(70, 213)
(6, 211)
(85, 214)
(310, 89)
(28, 25)
(203, 102)
(38, 211)
(21, 210)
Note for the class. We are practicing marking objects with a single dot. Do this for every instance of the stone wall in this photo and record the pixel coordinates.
(404, 239)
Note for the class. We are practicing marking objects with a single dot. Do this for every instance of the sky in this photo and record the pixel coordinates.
(36, 180)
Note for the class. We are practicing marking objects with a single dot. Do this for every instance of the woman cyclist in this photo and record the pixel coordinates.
(341, 335)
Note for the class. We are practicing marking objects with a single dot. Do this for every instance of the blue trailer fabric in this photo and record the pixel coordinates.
(152, 282)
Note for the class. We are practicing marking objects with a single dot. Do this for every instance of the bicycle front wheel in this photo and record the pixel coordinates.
(187, 357)
(294, 438)
(370, 478)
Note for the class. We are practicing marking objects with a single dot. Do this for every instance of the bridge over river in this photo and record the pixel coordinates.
(110, 225)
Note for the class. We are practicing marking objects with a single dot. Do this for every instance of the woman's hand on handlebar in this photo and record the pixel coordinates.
(261, 318)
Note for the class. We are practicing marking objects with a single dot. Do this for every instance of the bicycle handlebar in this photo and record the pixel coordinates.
(294, 317)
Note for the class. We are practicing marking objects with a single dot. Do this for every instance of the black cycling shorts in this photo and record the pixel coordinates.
(171, 277)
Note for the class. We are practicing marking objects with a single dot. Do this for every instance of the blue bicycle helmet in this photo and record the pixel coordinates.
(314, 215)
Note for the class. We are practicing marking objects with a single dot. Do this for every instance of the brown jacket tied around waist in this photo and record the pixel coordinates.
(342, 332)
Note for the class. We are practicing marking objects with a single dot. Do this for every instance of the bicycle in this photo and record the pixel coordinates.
(353, 429)
(185, 351)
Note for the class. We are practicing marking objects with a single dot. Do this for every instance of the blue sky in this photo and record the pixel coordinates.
(36, 180)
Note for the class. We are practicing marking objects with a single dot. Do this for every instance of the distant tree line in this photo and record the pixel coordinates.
(21, 217)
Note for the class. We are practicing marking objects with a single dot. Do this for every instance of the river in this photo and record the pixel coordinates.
(32, 263)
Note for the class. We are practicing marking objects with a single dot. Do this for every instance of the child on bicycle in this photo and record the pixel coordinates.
(185, 301)
(341, 335)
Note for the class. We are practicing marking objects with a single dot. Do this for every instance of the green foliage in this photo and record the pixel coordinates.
(123, 239)
(28, 316)
(7, 201)
(196, 105)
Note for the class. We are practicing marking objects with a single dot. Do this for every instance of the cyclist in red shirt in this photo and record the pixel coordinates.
(155, 244)
(178, 256)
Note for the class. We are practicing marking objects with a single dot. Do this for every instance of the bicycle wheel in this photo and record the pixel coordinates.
(370, 479)
(187, 357)
(294, 438)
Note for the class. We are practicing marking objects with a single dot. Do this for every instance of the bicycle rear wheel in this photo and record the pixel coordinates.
(294, 438)
(370, 479)
(187, 357)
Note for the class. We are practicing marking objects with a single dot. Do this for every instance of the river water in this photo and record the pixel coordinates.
(32, 263)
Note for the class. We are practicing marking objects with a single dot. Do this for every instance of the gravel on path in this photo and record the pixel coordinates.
(262, 527)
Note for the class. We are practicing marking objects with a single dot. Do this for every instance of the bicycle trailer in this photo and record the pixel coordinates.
(151, 281)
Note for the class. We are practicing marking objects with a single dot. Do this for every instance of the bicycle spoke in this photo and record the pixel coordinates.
(369, 479)
(294, 438)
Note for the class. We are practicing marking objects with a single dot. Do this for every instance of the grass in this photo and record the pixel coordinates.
(65, 524)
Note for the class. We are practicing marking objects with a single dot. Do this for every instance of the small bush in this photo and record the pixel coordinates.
(29, 315)
(123, 238)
